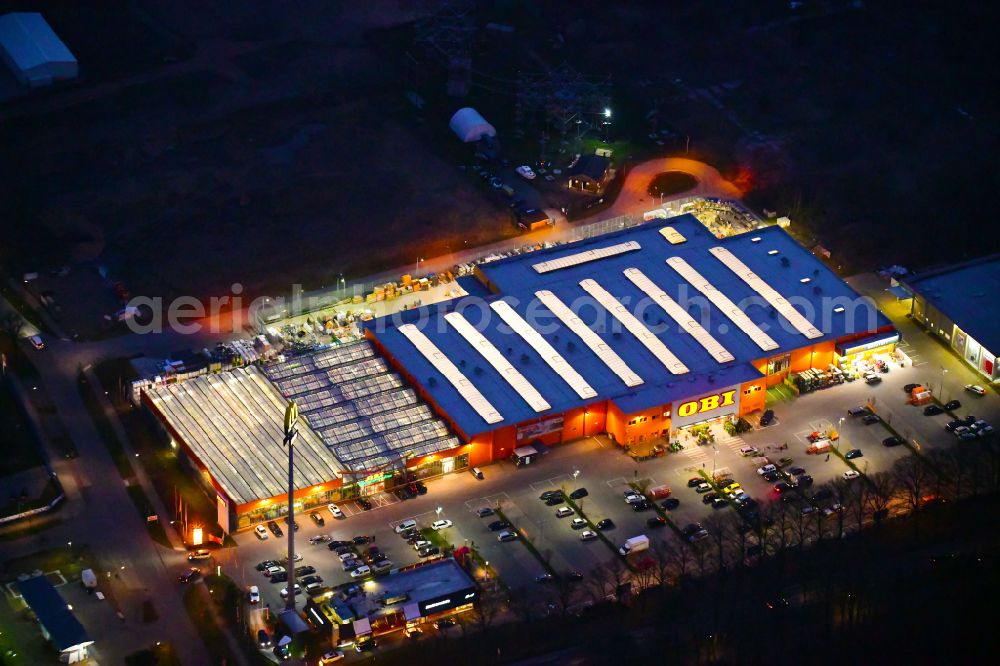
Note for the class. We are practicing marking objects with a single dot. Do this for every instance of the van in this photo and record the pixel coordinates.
(407, 524)
(476, 472)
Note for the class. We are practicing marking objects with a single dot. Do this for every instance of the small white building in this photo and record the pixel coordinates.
(469, 126)
(31, 49)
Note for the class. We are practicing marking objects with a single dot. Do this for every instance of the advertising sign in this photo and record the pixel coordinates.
(543, 427)
(705, 407)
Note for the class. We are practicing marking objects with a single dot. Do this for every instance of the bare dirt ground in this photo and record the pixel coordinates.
(272, 149)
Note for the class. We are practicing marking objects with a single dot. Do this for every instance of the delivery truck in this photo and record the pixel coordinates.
(636, 544)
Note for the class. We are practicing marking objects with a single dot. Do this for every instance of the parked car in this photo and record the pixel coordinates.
(851, 474)
(305, 570)
(642, 505)
(280, 577)
(524, 171)
(263, 639)
(588, 535)
(695, 481)
(767, 418)
(796, 471)
(294, 524)
(200, 554)
(804, 481)
(772, 476)
(748, 451)
(784, 462)
(782, 487)
(767, 468)
(871, 419)
(707, 499)
(360, 540)
(564, 511)
(554, 500)
(498, 525)
(909, 388)
(892, 441)
(191, 574)
(858, 411)
(316, 518)
(656, 521)
(297, 588)
(484, 511)
(309, 580)
(578, 523)
(951, 425)
(444, 623)
(275, 530)
(872, 378)
(605, 524)
(361, 572)
(932, 410)
(261, 532)
(549, 494)
(975, 388)
(579, 493)
(853, 453)
(317, 539)
(427, 551)
(670, 503)
(719, 503)
(331, 657)
(507, 535)
(952, 405)
(439, 525)
(261, 566)
(703, 488)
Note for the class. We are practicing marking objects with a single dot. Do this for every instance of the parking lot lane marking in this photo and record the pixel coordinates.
(490, 500)
(617, 481)
(599, 442)
(540, 485)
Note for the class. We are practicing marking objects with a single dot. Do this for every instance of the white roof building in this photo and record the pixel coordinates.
(469, 126)
(33, 51)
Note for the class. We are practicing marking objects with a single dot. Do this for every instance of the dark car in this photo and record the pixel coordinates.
(498, 525)
(305, 570)
(549, 494)
(796, 471)
(670, 503)
(427, 551)
(263, 639)
(309, 580)
(294, 524)
(858, 411)
(656, 521)
(719, 503)
(951, 425)
(909, 387)
(574, 576)
(579, 493)
(707, 498)
(554, 500)
(318, 519)
(853, 453)
(605, 524)
(695, 481)
(767, 418)
(361, 540)
(782, 487)
(421, 488)
(691, 528)
(189, 575)
(932, 410)
(642, 505)
(267, 564)
(401, 494)
(952, 405)
(280, 577)
(804, 480)
(772, 476)
(892, 441)
(364, 503)
(334, 545)
(275, 530)
(870, 419)
(365, 646)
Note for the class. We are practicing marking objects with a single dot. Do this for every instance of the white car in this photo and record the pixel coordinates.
(335, 510)
(261, 532)
(331, 657)
(975, 388)
(254, 595)
(747, 451)
(284, 591)
(417, 545)
(320, 538)
(563, 511)
(524, 171)
(346, 556)
(765, 469)
(578, 523)
(270, 571)
(851, 474)
(588, 535)
(441, 524)
(361, 572)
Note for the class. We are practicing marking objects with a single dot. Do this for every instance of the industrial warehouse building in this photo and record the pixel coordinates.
(33, 52)
(640, 334)
(959, 304)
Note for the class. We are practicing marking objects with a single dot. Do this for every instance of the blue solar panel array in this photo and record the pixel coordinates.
(773, 255)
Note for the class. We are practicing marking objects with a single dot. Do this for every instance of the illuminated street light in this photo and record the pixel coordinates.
(607, 112)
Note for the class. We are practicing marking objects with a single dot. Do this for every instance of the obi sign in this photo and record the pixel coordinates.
(707, 406)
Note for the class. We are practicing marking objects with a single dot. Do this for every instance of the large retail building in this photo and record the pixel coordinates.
(639, 334)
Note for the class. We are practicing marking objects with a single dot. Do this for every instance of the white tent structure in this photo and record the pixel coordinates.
(33, 51)
(469, 126)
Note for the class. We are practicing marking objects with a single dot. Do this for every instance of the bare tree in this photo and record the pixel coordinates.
(717, 526)
(913, 480)
(488, 608)
(11, 325)
(883, 488)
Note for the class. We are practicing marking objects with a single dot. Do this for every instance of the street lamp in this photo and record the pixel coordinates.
(291, 432)
(438, 511)
(607, 112)
(576, 474)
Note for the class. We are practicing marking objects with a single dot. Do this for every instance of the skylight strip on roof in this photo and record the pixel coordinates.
(591, 339)
(673, 236)
(722, 302)
(635, 327)
(548, 353)
(770, 294)
(443, 364)
(489, 352)
(684, 320)
(584, 257)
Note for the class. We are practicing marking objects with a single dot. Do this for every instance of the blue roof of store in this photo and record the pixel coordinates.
(967, 294)
(770, 253)
(53, 613)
